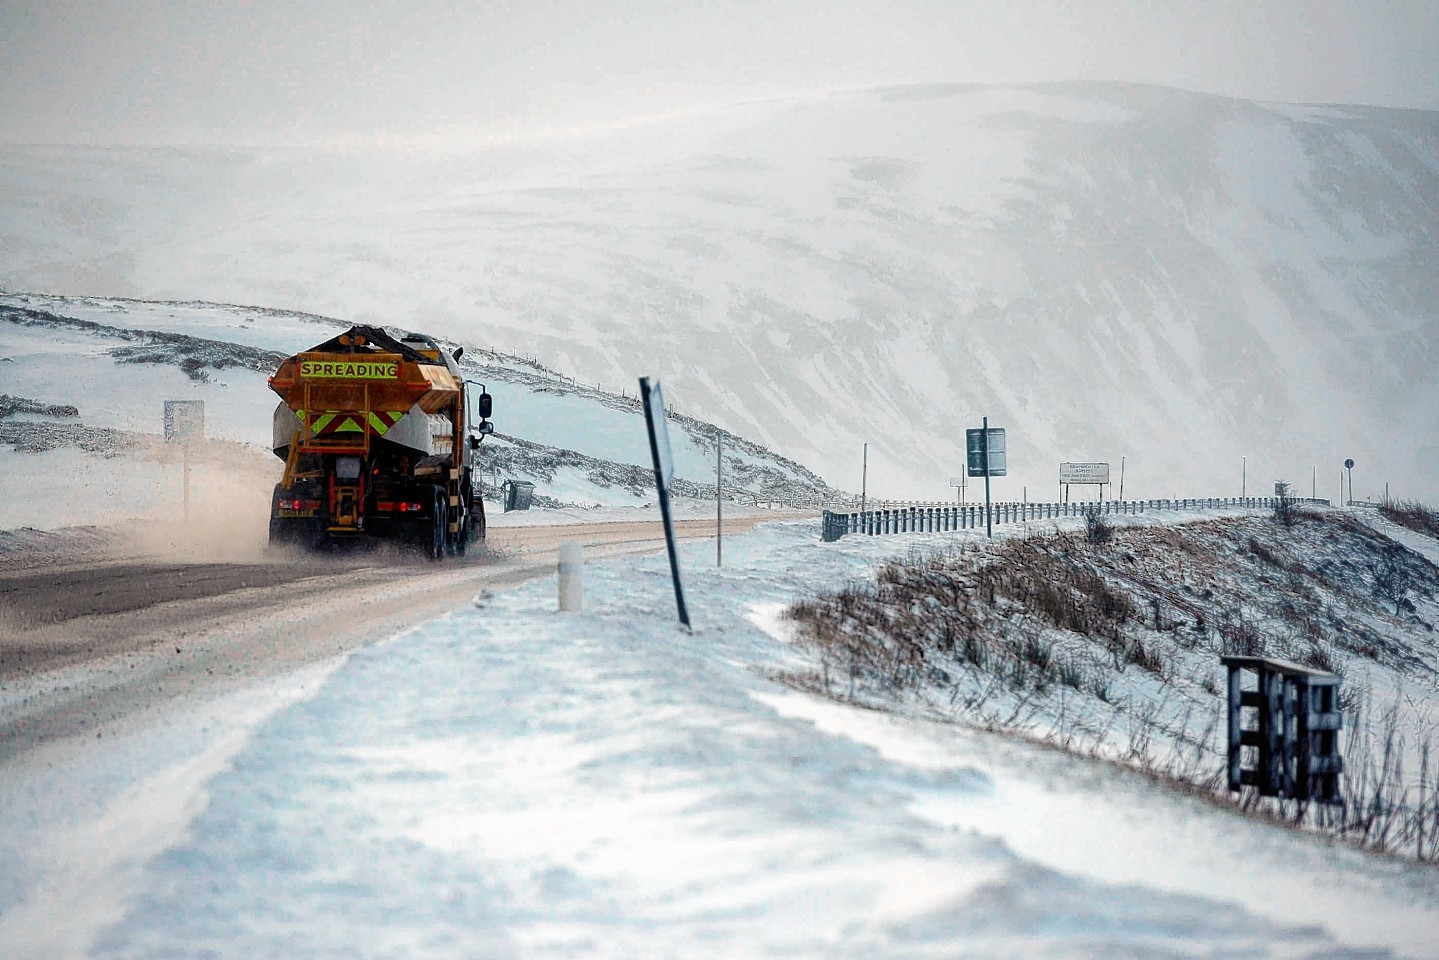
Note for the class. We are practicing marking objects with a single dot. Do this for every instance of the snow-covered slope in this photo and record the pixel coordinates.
(1104, 270)
(505, 782)
(82, 385)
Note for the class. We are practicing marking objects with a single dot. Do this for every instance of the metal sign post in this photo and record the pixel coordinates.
(985, 453)
(664, 475)
(185, 425)
(984, 445)
(1349, 466)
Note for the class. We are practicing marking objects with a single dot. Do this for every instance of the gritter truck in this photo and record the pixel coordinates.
(379, 438)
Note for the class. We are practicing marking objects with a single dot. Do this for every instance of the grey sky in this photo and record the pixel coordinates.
(158, 71)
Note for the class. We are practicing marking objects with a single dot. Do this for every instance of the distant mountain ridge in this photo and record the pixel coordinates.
(1220, 291)
(90, 378)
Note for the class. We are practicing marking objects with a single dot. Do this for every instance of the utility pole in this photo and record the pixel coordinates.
(984, 440)
(719, 500)
(1244, 477)
(1314, 482)
(1121, 478)
(864, 483)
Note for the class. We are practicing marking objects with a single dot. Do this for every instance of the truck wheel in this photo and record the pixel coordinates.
(462, 537)
(467, 515)
(439, 533)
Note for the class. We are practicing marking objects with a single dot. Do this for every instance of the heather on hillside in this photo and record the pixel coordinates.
(1112, 647)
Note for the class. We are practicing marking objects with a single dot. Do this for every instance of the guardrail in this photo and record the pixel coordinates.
(941, 518)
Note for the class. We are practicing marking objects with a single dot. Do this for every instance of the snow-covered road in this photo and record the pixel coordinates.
(507, 781)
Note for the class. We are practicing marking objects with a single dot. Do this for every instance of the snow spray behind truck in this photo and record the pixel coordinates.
(378, 439)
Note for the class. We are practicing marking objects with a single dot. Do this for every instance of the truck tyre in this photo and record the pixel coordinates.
(461, 540)
(440, 525)
(467, 518)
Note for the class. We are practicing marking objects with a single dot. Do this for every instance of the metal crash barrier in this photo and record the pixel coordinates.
(942, 518)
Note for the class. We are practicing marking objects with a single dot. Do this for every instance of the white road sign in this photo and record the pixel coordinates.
(184, 421)
(1084, 473)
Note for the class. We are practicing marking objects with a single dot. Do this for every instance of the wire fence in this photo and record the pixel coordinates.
(941, 518)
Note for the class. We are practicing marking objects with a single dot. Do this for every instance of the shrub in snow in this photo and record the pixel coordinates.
(1286, 505)
(1045, 635)
(1097, 528)
(1419, 517)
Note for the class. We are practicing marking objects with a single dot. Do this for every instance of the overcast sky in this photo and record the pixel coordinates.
(284, 71)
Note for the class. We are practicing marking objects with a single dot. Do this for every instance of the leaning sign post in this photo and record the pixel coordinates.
(654, 402)
(984, 450)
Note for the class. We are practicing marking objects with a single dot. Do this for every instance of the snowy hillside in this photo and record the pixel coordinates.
(82, 384)
(1110, 646)
(1105, 270)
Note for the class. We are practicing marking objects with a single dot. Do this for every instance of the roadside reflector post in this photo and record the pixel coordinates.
(572, 578)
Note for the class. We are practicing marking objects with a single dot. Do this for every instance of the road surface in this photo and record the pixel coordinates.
(95, 644)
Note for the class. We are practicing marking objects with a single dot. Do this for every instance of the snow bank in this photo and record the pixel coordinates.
(508, 781)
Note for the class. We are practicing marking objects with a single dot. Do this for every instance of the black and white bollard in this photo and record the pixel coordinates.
(572, 578)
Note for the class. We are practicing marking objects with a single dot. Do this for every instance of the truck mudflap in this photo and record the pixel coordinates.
(295, 519)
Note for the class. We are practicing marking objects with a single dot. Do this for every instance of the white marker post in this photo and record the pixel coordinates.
(572, 578)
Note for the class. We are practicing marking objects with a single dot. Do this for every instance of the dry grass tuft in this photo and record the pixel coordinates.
(1009, 634)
